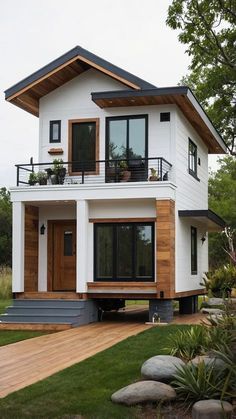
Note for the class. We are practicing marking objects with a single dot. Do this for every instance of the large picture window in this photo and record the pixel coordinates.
(193, 250)
(83, 145)
(126, 137)
(124, 252)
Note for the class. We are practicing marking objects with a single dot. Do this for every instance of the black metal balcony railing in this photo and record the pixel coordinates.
(92, 172)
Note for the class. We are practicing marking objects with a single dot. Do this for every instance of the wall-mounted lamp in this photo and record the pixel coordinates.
(42, 229)
(203, 238)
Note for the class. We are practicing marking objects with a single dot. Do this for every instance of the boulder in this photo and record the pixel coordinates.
(208, 360)
(161, 368)
(215, 311)
(215, 301)
(143, 391)
(211, 409)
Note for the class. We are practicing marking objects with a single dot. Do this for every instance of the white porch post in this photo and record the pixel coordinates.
(82, 221)
(18, 246)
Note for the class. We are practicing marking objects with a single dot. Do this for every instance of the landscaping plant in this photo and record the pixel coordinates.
(187, 344)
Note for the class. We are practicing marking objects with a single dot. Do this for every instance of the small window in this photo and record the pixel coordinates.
(55, 132)
(165, 116)
(193, 250)
(192, 158)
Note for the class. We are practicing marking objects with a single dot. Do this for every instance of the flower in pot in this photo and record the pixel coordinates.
(42, 178)
(124, 172)
(33, 178)
(154, 175)
(59, 170)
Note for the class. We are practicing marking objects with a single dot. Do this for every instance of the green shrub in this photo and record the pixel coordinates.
(188, 343)
(220, 282)
(5, 283)
(201, 382)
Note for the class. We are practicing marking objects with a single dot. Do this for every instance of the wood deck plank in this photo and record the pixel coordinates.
(26, 362)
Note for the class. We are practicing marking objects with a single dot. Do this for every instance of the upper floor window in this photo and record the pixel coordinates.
(55, 131)
(126, 137)
(84, 145)
(124, 252)
(193, 250)
(192, 158)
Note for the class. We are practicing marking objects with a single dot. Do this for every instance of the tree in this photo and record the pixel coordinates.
(5, 228)
(209, 31)
(222, 200)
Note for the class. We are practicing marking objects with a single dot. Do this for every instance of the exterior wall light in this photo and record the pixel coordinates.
(203, 238)
(42, 229)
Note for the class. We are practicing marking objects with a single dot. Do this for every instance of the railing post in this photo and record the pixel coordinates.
(161, 168)
(17, 176)
(116, 173)
(83, 176)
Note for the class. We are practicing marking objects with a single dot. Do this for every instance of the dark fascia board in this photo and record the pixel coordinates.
(162, 91)
(211, 215)
(70, 55)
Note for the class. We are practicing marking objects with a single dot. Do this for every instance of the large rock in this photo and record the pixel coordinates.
(215, 301)
(212, 409)
(143, 391)
(161, 368)
(217, 362)
(215, 311)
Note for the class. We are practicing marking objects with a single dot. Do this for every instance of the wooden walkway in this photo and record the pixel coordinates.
(24, 363)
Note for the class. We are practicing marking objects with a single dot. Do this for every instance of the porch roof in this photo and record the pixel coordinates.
(212, 221)
(181, 96)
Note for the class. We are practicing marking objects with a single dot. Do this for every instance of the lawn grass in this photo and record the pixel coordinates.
(12, 336)
(4, 304)
(85, 388)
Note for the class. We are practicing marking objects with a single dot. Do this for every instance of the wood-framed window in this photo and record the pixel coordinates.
(55, 131)
(84, 146)
(124, 251)
(193, 250)
(192, 159)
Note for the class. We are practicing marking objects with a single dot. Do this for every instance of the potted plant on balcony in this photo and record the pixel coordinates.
(42, 178)
(124, 172)
(33, 178)
(154, 175)
(59, 171)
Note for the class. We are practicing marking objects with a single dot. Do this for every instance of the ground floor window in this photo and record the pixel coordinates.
(124, 252)
(193, 250)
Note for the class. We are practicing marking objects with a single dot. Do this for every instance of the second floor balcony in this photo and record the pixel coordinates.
(58, 172)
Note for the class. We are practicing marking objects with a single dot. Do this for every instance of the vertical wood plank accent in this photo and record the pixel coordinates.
(165, 247)
(31, 248)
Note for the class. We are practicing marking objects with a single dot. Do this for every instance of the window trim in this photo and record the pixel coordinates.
(194, 271)
(127, 118)
(114, 277)
(193, 172)
(76, 121)
(51, 123)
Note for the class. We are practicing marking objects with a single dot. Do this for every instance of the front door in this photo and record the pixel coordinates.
(63, 255)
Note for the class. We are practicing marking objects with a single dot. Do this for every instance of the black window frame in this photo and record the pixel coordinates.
(194, 258)
(192, 171)
(58, 123)
(115, 277)
(126, 118)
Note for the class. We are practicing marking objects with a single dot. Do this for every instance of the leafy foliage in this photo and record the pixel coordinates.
(5, 227)
(220, 282)
(222, 200)
(210, 33)
(187, 344)
(202, 382)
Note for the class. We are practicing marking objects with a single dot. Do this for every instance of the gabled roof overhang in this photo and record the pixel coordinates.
(27, 92)
(181, 96)
(211, 221)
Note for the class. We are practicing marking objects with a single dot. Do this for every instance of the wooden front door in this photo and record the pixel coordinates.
(63, 250)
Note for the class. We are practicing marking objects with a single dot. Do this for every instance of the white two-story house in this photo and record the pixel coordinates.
(117, 205)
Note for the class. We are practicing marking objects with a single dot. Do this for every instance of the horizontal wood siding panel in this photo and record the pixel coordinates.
(31, 248)
(165, 247)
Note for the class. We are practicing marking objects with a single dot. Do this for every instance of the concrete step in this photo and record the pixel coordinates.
(48, 303)
(41, 318)
(43, 310)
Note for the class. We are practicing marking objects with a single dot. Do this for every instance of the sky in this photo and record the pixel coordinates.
(131, 34)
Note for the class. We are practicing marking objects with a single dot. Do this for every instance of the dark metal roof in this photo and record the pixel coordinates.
(68, 56)
(156, 91)
(205, 214)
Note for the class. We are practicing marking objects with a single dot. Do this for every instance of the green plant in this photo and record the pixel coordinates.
(57, 166)
(42, 178)
(220, 282)
(33, 178)
(5, 283)
(123, 165)
(201, 382)
(187, 344)
(153, 172)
